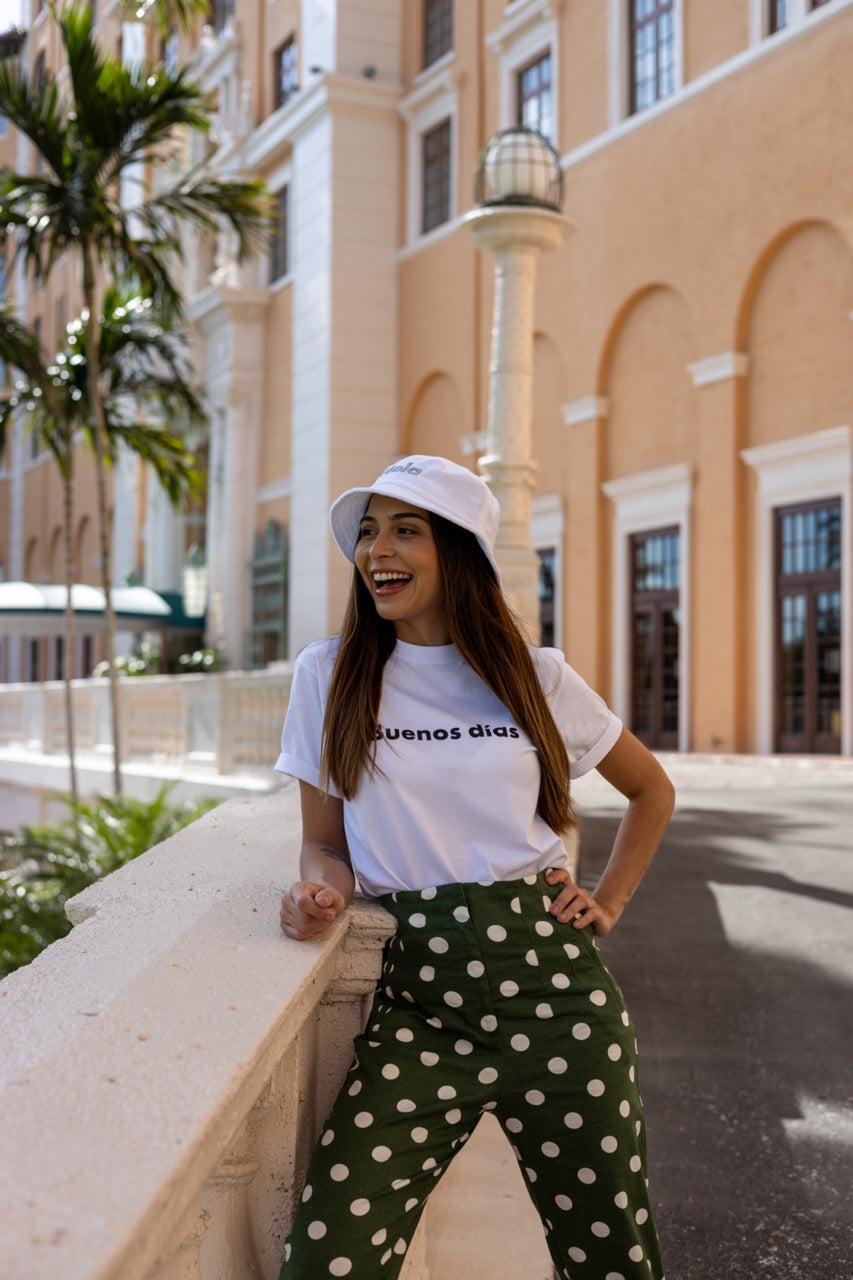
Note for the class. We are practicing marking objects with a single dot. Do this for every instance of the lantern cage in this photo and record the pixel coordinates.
(519, 166)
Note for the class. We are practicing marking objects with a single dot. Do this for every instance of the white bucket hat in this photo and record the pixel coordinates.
(434, 484)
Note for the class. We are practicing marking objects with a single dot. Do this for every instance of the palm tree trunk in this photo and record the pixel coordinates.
(68, 672)
(97, 425)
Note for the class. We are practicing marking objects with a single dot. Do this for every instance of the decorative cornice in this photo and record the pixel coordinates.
(645, 481)
(586, 409)
(832, 440)
(719, 368)
(521, 15)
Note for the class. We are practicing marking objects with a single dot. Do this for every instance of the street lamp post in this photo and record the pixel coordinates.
(518, 213)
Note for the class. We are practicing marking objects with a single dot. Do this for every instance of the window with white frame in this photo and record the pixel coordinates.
(527, 46)
(536, 96)
(279, 256)
(652, 52)
(438, 30)
(430, 112)
(546, 535)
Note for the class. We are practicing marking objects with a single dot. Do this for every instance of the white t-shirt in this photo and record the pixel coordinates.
(456, 797)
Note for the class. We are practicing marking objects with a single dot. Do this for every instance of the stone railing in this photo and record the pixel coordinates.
(225, 721)
(165, 1069)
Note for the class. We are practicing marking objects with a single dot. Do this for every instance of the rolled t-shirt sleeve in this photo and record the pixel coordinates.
(302, 734)
(589, 728)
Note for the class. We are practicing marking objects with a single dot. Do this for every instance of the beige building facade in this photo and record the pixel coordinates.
(692, 339)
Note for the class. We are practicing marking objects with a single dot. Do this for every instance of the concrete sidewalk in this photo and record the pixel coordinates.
(736, 959)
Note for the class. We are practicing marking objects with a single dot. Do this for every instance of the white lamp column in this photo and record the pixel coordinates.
(518, 216)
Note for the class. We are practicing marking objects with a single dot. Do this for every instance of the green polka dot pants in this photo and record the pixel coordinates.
(485, 1003)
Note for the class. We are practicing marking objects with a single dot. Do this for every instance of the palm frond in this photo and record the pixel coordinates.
(205, 203)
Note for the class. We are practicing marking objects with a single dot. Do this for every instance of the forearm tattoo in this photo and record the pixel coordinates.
(336, 854)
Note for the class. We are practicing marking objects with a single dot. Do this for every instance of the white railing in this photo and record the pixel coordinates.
(226, 721)
(165, 1068)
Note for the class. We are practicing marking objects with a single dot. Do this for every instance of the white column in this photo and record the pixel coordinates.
(515, 234)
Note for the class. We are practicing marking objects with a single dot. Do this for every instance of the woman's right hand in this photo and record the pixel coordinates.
(308, 908)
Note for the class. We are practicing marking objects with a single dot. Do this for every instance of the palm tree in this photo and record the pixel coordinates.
(145, 374)
(111, 121)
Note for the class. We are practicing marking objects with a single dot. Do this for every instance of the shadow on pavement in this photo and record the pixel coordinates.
(735, 959)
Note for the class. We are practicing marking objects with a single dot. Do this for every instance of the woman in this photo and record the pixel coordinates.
(433, 749)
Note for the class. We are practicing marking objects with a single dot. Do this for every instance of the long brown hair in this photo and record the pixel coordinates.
(486, 633)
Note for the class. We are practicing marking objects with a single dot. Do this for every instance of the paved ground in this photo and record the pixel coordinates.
(736, 958)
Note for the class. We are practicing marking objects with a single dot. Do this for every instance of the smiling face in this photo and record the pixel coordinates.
(397, 558)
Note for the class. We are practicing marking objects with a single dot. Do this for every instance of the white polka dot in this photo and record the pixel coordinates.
(489, 1022)
(429, 894)
(557, 1066)
(400, 1184)
(446, 1092)
(532, 1175)
(496, 933)
(405, 1036)
(406, 1104)
(487, 1076)
(563, 1202)
(598, 997)
(363, 1120)
(381, 1154)
(420, 1134)
(625, 1108)
(642, 1216)
(609, 1144)
(453, 1116)
(429, 1164)
(587, 1176)
(476, 969)
(412, 1204)
(327, 1138)
(288, 1249)
(544, 1010)
(532, 958)
(550, 1149)
(464, 1047)
(338, 1172)
(636, 1254)
(390, 1071)
(307, 1192)
(386, 1256)
(614, 1275)
(626, 1021)
(317, 1230)
(600, 1229)
(514, 1126)
(595, 1088)
(581, 1031)
(631, 1074)
(379, 1237)
(418, 920)
(534, 1097)
(621, 1200)
(340, 1267)
(635, 1164)
(544, 928)
(571, 950)
(453, 998)
(360, 1208)
(428, 1058)
(561, 981)
(515, 906)
(461, 914)
(520, 1043)
(577, 1255)
(427, 973)
(438, 945)
(509, 988)
(400, 1246)
(354, 1088)
(572, 1120)
(434, 1022)
(614, 1052)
